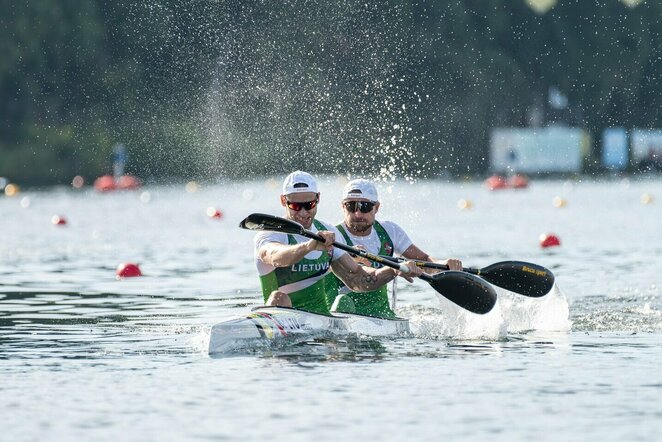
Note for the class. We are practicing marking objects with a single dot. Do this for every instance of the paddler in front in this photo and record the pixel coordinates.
(360, 229)
(296, 271)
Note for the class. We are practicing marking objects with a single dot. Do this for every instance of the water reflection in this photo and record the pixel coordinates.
(364, 349)
(350, 349)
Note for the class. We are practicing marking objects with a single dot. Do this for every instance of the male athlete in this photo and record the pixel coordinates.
(296, 271)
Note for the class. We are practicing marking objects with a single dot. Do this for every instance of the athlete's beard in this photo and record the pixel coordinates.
(360, 226)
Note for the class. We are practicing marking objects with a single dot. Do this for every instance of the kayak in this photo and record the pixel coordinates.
(265, 326)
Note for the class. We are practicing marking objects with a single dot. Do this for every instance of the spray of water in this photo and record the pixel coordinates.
(325, 90)
(513, 313)
(549, 313)
(452, 322)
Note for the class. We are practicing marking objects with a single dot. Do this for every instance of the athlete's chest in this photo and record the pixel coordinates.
(370, 242)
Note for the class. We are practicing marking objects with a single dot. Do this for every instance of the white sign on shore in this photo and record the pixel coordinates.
(615, 148)
(538, 150)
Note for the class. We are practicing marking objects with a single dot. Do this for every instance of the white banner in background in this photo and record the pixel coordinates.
(615, 148)
(536, 150)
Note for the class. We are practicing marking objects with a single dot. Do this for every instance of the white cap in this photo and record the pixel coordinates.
(299, 182)
(360, 189)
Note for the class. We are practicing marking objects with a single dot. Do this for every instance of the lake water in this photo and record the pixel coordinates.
(85, 356)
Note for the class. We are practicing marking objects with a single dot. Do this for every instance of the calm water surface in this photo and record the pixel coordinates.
(83, 355)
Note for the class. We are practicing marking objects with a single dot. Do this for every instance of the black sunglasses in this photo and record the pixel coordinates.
(363, 206)
(308, 205)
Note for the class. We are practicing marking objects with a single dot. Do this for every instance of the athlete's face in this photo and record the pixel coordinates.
(301, 207)
(359, 214)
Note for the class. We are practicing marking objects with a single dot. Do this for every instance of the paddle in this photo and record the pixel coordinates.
(464, 289)
(520, 277)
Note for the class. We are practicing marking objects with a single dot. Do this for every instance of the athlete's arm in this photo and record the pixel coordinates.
(284, 255)
(414, 252)
(366, 279)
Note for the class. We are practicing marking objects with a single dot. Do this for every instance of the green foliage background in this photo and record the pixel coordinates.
(201, 88)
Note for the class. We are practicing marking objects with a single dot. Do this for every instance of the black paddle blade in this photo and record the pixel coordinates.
(520, 277)
(261, 221)
(464, 289)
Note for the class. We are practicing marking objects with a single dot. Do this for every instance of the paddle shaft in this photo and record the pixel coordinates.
(432, 265)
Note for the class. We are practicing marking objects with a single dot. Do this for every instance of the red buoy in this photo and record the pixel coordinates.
(128, 182)
(496, 182)
(58, 220)
(128, 270)
(549, 240)
(108, 183)
(518, 182)
(104, 183)
(213, 212)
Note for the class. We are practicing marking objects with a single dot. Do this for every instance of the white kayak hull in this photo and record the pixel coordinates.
(266, 325)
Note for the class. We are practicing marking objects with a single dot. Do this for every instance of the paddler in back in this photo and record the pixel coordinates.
(296, 271)
(360, 229)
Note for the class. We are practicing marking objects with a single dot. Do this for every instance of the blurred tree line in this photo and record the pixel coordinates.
(213, 87)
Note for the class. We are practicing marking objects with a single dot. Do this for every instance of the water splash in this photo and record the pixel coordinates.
(452, 322)
(512, 314)
(549, 313)
(326, 82)
(629, 314)
(198, 339)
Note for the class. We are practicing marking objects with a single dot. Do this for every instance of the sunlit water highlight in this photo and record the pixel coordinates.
(85, 355)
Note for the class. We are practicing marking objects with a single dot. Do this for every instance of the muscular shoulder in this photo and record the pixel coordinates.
(263, 238)
(392, 228)
(401, 240)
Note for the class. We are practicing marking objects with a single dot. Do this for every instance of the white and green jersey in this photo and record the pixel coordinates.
(374, 244)
(306, 281)
(385, 238)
